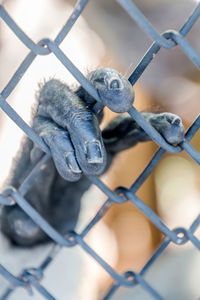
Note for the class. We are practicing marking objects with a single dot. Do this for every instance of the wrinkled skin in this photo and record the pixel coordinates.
(65, 120)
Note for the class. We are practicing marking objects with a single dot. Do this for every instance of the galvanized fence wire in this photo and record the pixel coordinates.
(31, 278)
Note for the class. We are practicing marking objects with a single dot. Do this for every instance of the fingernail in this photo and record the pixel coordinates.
(114, 84)
(176, 121)
(72, 164)
(93, 153)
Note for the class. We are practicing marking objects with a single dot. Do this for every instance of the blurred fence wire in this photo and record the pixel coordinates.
(31, 278)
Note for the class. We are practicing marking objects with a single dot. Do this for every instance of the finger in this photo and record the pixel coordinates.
(62, 150)
(114, 90)
(63, 155)
(123, 132)
(70, 112)
(88, 143)
(169, 125)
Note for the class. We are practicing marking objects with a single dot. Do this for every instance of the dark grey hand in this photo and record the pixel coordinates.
(67, 123)
(123, 132)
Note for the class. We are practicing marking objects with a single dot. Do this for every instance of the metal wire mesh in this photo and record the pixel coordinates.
(31, 278)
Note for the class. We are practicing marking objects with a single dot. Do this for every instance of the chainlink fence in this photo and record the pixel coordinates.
(31, 278)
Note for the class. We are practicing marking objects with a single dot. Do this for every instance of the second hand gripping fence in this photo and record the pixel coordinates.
(31, 278)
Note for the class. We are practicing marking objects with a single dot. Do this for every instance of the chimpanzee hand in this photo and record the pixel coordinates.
(66, 122)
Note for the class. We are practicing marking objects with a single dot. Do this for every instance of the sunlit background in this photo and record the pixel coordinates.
(106, 36)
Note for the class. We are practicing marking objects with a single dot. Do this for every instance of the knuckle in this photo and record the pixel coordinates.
(80, 115)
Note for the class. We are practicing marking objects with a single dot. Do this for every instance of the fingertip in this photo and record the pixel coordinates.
(176, 121)
(97, 165)
(94, 152)
(68, 173)
(72, 163)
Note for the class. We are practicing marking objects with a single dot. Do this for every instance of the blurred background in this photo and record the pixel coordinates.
(106, 36)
